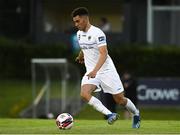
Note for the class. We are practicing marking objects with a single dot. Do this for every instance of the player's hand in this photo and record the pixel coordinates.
(92, 74)
(79, 60)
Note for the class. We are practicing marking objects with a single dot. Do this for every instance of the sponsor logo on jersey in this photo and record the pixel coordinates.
(86, 47)
(101, 38)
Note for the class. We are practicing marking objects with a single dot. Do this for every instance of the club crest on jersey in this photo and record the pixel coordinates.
(101, 38)
(89, 37)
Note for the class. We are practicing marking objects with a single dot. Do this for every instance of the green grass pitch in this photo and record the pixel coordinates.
(42, 126)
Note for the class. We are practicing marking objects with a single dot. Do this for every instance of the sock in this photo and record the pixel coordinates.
(96, 103)
(131, 107)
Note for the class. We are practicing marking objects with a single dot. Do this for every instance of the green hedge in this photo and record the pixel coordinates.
(147, 61)
(142, 60)
(15, 57)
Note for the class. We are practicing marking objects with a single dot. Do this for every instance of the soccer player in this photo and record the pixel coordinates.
(100, 70)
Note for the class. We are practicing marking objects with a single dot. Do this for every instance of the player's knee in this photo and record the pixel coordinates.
(86, 91)
(85, 95)
(82, 94)
(120, 99)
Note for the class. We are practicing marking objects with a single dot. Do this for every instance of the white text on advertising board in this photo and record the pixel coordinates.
(145, 93)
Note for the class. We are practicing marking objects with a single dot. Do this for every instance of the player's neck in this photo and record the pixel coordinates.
(87, 27)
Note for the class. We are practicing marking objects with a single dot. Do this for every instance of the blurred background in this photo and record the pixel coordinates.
(39, 77)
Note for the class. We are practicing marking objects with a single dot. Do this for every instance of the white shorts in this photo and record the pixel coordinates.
(109, 82)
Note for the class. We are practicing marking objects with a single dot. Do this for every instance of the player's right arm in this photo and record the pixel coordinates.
(80, 57)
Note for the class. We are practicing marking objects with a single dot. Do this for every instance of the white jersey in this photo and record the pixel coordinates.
(89, 42)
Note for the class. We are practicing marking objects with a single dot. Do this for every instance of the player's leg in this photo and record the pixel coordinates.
(86, 91)
(87, 87)
(112, 84)
(120, 99)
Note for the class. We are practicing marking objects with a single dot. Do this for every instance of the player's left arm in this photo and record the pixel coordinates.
(103, 52)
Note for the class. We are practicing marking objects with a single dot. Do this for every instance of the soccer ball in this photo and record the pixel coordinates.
(64, 121)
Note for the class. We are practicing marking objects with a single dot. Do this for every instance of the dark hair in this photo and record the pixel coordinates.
(80, 11)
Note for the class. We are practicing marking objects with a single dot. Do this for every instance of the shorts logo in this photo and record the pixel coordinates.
(101, 38)
(119, 89)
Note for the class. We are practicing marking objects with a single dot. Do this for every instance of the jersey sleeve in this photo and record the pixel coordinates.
(101, 38)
